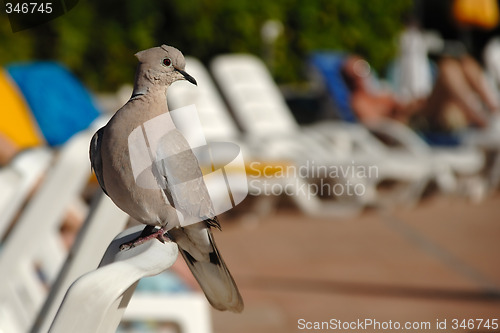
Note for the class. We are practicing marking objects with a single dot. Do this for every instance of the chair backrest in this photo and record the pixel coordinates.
(104, 221)
(252, 94)
(57, 100)
(329, 65)
(214, 116)
(97, 300)
(188, 310)
(42, 102)
(17, 181)
(33, 253)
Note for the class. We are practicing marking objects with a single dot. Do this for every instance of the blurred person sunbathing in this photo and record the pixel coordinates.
(460, 97)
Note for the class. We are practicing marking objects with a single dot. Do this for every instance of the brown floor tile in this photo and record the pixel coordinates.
(433, 262)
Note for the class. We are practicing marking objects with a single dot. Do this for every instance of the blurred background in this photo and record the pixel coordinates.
(98, 39)
(410, 87)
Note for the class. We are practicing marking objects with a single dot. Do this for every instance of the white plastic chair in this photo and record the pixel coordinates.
(33, 254)
(97, 300)
(104, 221)
(448, 164)
(261, 110)
(18, 179)
(30, 266)
(215, 118)
(218, 125)
(189, 311)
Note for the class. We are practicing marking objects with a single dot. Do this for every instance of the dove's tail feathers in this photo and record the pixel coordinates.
(210, 271)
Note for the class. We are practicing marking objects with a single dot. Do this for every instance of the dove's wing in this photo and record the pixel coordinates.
(185, 185)
(96, 158)
(183, 179)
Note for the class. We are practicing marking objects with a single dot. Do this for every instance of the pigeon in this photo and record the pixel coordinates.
(160, 208)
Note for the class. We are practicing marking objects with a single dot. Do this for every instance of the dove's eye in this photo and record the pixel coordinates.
(167, 62)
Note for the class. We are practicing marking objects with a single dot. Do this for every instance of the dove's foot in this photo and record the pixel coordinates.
(147, 234)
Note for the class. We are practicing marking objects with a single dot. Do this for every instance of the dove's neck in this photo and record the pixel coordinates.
(150, 96)
(149, 91)
(146, 84)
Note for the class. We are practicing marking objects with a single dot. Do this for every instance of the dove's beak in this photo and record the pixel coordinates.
(187, 76)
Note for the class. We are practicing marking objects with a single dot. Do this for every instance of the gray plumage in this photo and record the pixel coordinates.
(178, 177)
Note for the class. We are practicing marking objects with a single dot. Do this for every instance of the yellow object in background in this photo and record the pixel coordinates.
(477, 13)
(16, 121)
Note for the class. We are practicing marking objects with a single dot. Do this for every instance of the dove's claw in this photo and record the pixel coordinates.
(149, 232)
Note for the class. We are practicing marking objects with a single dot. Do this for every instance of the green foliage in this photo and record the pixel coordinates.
(97, 39)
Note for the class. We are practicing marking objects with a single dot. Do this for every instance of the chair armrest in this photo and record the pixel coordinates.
(97, 300)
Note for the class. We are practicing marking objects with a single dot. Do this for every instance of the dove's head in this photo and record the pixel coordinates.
(162, 65)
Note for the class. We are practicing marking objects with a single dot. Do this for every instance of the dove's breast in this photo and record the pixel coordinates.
(143, 200)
